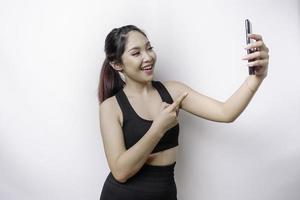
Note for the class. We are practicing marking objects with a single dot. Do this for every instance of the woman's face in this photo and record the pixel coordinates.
(138, 54)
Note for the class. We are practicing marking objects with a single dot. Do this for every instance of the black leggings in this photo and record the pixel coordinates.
(150, 183)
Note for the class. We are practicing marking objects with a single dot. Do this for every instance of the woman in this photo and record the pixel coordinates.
(139, 119)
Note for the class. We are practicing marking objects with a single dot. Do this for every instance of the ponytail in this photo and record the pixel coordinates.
(110, 82)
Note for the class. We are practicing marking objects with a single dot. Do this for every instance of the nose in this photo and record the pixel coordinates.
(147, 57)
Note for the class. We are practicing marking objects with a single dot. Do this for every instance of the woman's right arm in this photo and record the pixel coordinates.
(124, 163)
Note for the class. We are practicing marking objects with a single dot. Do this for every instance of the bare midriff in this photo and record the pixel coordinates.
(165, 157)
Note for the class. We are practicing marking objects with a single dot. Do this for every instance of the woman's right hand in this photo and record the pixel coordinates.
(167, 118)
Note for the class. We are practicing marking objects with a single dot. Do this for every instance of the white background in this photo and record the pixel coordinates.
(51, 54)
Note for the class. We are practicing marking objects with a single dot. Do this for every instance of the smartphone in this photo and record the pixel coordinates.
(248, 27)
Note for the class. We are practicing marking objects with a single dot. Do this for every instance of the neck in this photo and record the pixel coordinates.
(138, 88)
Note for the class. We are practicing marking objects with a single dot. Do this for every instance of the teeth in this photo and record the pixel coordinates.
(147, 68)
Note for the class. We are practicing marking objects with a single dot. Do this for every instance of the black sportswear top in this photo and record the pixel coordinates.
(135, 127)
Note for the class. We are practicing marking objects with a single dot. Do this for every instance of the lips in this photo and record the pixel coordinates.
(147, 67)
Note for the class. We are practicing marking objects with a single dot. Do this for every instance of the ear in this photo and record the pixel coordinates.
(116, 66)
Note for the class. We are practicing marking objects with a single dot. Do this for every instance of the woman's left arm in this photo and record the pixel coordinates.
(235, 105)
(214, 110)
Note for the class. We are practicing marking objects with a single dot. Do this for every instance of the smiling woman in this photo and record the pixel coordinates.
(139, 116)
(141, 154)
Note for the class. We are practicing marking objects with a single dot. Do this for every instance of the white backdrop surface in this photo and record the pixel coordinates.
(50, 59)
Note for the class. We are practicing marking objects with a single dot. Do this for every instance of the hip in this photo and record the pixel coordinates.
(150, 181)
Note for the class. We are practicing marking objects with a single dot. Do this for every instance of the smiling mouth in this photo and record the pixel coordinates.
(147, 67)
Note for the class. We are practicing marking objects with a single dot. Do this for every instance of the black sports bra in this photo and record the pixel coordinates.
(135, 127)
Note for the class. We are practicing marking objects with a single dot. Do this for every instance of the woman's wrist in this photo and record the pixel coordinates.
(157, 129)
(254, 81)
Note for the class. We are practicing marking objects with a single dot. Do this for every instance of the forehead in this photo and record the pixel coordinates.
(135, 39)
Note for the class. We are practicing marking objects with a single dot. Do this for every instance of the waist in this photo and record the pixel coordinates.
(148, 178)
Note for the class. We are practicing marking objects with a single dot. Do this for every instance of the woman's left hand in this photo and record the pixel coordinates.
(260, 56)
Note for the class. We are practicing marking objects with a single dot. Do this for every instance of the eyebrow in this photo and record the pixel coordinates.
(139, 47)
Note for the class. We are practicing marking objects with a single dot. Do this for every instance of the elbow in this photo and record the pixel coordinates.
(119, 177)
(230, 119)
(227, 117)
(122, 180)
(120, 174)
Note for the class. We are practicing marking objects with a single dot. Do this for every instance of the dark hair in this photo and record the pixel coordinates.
(110, 81)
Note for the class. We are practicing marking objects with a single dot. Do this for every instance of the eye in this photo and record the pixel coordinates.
(135, 54)
(150, 48)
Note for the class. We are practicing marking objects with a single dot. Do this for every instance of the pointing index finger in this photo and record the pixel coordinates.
(178, 101)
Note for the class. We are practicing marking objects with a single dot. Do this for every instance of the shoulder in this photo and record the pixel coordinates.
(110, 107)
(107, 103)
(175, 88)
